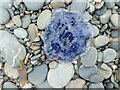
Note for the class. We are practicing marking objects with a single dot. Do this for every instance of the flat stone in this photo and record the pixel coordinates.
(26, 20)
(9, 85)
(53, 64)
(97, 85)
(86, 72)
(17, 21)
(78, 83)
(79, 6)
(110, 3)
(90, 58)
(109, 55)
(115, 19)
(96, 30)
(4, 16)
(20, 33)
(11, 72)
(43, 22)
(101, 40)
(57, 4)
(9, 51)
(61, 75)
(32, 31)
(105, 72)
(96, 78)
(105, 17)
(34, 5)
(38, 75)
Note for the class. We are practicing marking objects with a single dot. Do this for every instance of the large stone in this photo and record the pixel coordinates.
(10, 48)
(61, 75)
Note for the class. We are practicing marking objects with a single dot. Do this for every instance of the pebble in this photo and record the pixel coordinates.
(96, 78)
(87, 16)
(109, 55)
(32, 31)
(101, 11)
(90, 58)
(110, 3)
(114, 19)
(43, 22)
(44, 84)
(6, 3)
(79, 6)
(9, 84)
(27, 86)
(26, 20)
(4, 16)
(34, 5)
(96, 85)
(61, 75)
(86, 72)
(57, 4)
(101, 40)
(53, 64)
(115, 45)
(78, 83)
(105, 17)
(109, 85)
(100, 56)
(9, 24)
(105, 71)
(9, 50)
(20, 33)
(96, 30)
(99, 5)
(38, 75)
(117, 74)
(17, 21)
(115, 33)
(91, 8)
(11, 72)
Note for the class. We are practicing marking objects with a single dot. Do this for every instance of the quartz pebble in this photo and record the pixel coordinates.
(79, 6)
(105, 17)
(32, 31)
(20, 33)
(4, 15)
(34, 5)
(115, 19)
(62, 74)
(90, 58)
(53, 64)
(38, 75)
(78, 83)
(17, 21)
(109, 55)
(43, 22)
(11, 72)
(26, 20)
(86, 72)
(11, 50)
(101, 40)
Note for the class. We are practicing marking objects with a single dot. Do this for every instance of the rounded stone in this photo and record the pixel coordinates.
(86, 72)
(26, 20)
(90, 58)
(115, 20)
(115, 33)
(4, 16)
(20, 33)
(34, 5)
(57, 4)
(38, 75)
(115, 45)
(96, 85)
(9, 85)
(43, 22)
(96, 78)
(96, 30)
(61, 75)
(109, 55)
(53, 64)
(101, 40)
(17, 21)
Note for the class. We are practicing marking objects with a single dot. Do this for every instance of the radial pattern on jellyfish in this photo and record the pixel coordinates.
(66, 36)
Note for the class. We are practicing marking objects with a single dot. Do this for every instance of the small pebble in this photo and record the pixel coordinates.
(110, 3)
(115, 33)
(96, 85)
(57, 4)
(16, 20)
(53, 64)
(26, 20)
(9, 85)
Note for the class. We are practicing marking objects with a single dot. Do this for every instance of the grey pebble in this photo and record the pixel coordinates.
(44, 84)
(96, 85)
(110, 3)
(9, 85)
(104, 27)
(87, 16)
(109, 55)
(86, 72)
(26, 20)
(115, 33)
(20, 33)
(101, 10)
(90, 58)
(105, 17)
(96, 30)
(109, 85)
(35, 57)
(34, 5)
(79, 6)
(115, 45)
(96, 78)
(38, 75)
(4, 16)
